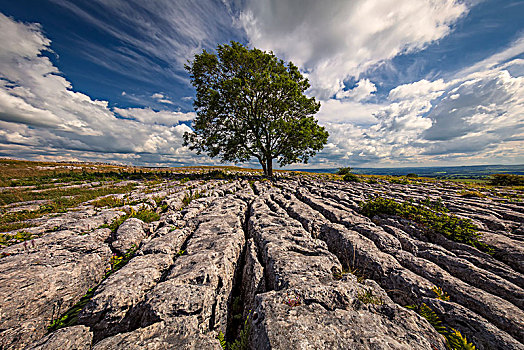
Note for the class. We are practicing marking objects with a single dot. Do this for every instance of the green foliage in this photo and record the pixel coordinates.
(471, 194)
(457, 341)
(343, 170)
(7, 239)
(454, 340)
(349, 177)
(222, 339)
(507, 180)
(241, 343)
(368, 297)
(441, 295)
(430, 315)
(412, 175)
(250, 104)
(71, 316)
(145, 215)
(189, 197)
(430, 216)
(108, 201)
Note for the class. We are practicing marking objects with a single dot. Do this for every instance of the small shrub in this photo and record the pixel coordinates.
(241, 343)
(433, 218)
(441, 295)
(454, 340)
(344, 170)
(368, 297)
(472, 194)
(145, 215)
(349, 177)
(412, 175)
(109, 201)
(506, 180)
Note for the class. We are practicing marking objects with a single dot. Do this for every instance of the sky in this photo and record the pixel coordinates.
(400, 82)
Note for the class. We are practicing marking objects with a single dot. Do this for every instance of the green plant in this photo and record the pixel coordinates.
(71, 316)
(434, 219)
(412, 175)
(454, 340)
(441, 295)
(241, 342)
(506, 180)
(7, 239)
(181, 252)
(109, 201)
(471, 194)
(343, 170)
(350, 177)
(367, 297)
(189, 197)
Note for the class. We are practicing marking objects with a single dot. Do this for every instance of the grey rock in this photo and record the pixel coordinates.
(70, 338)
(129, 235)
(40, 284)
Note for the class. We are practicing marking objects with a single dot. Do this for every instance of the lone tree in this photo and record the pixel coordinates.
(250, 104)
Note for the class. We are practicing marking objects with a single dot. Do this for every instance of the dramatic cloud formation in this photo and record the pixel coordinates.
(395, 83)
(41, 114)
(339, 39)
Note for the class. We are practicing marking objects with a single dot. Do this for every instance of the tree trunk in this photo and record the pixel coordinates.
(263, 166)
(269, 167)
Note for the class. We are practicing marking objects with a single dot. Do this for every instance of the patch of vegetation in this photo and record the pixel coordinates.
(471, 194)
(412, 175)
(145, 215)
(368, 297)
(350, 177)
(109, 201)
(431, 218)
(241, 343)
(7, 239)
(440, 294)
(454, 340)
(506, 180)
(60, 201)
(344, 170)
(398, 180)
(189, 197)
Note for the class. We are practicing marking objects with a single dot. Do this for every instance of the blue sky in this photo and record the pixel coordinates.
(401, 82)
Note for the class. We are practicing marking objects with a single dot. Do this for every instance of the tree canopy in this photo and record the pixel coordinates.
(250, 104)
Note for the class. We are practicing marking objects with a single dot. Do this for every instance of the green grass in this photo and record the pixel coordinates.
(60, 201)
(430, 216)
(367, 297)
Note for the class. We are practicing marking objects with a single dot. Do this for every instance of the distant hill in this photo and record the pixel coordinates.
(476, 171)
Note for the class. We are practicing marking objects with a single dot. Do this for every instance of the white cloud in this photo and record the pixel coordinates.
(149, 116)
(478, 118)
(363, 89)
(340, 39)
(161, 98)
(43, 115)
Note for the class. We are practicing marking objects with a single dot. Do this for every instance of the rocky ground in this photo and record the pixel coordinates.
(287, 264)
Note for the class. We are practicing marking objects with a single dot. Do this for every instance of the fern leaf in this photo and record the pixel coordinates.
(222, 339)
(457, 341)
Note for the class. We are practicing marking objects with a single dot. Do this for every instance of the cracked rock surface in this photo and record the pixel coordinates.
(294, 257)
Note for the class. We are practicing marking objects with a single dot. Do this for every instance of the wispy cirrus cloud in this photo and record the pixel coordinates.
(42, 115)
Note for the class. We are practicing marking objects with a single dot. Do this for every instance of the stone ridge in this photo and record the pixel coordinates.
(293, 257)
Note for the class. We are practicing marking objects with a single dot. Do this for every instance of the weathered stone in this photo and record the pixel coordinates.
(39, 284)
(70, 338)
(124, 289)
(129, 235)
